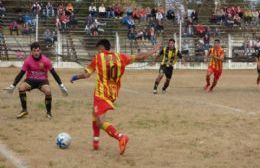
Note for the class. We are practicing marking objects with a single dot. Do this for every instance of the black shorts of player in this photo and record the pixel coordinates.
(167, 70)
(36, 84)
(258, 70)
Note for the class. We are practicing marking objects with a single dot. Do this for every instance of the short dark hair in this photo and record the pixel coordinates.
(217, 40)
(105, 43)
(172, 40)
(35, 45)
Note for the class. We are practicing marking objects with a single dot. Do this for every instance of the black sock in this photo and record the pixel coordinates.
(48, 100)
(166, 84)
(155, 85)
(22, 95)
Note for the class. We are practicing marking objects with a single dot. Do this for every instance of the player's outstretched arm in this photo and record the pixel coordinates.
(58, 80)
(10, 89)
(83, 75)
(145, 55)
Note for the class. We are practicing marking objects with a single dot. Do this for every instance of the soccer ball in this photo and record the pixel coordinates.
(63, 140)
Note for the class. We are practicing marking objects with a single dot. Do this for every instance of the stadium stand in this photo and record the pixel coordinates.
(75, 32)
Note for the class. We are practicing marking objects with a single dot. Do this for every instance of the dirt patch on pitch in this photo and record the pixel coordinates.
(185, 127)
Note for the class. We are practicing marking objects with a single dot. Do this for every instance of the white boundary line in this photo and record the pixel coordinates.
(11, 156)
(237, 110)
(233, 109)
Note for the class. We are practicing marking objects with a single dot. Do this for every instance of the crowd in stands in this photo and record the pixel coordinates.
(234, 16)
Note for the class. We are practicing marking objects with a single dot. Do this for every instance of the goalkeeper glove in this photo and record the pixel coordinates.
(63, 90)
(10, 89)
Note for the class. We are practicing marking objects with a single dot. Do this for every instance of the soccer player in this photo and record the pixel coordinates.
(170, 55)
(110, 67)
(216, 55)
(258, 66)
(36, 67)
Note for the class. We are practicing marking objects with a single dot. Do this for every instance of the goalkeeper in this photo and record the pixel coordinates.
(36, 67)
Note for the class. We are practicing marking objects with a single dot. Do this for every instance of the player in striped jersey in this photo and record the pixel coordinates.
(110, 67)
(169, 55)
(216, 55)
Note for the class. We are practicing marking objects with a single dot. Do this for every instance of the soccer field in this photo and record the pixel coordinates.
(186, 127)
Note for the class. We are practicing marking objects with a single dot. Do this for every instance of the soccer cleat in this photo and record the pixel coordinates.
(154, 91)
(163, 91)
(49, 115)
(96, 143)
(22, 114)
(122, 144)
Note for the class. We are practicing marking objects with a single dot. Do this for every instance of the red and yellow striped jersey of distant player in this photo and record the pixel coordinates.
(216, 63)
(110, 67)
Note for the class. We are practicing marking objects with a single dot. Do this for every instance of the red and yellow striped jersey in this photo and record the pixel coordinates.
(216, 63)
(109, 67)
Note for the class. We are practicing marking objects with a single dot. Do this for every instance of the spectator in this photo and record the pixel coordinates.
(118, 10)
(159, 17)
(72, 20)
(36, 8)
(48, 38)
(1, 35)
(27, 19)
(170, 15)
(89, 21)
(110, 12)
(194, 17)
(60, 10)
(64, 20)
(130, 22)
(69, 9)
(229, 21)
(129, 10)
(102, 11)
(131, 34)
(49, 10)
(148, 13)
(13, 26)
(143, 15)
(237, 20)
(26, 29)
(95, 28)
(136, 14)
(92, 10)
(152, 35)
(206, 41)
(2, 9)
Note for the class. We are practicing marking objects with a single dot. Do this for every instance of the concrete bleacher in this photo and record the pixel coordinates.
(79, 47)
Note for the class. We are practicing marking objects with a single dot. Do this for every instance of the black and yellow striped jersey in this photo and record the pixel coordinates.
(170, 56)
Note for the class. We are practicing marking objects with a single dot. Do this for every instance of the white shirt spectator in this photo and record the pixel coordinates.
(101, 9)
(159, 16)
(92, 9)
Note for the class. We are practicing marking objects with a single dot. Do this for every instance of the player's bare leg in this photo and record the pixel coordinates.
(157, 82)
(215, 81)
(23, 88)
(48, 99)
(111, 131)
(207, 80)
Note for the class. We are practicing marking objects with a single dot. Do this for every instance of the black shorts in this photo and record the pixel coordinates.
(258, 70)
(36, 84)
(167, 70)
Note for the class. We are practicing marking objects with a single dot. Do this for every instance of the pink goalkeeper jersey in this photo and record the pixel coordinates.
(37, 70)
